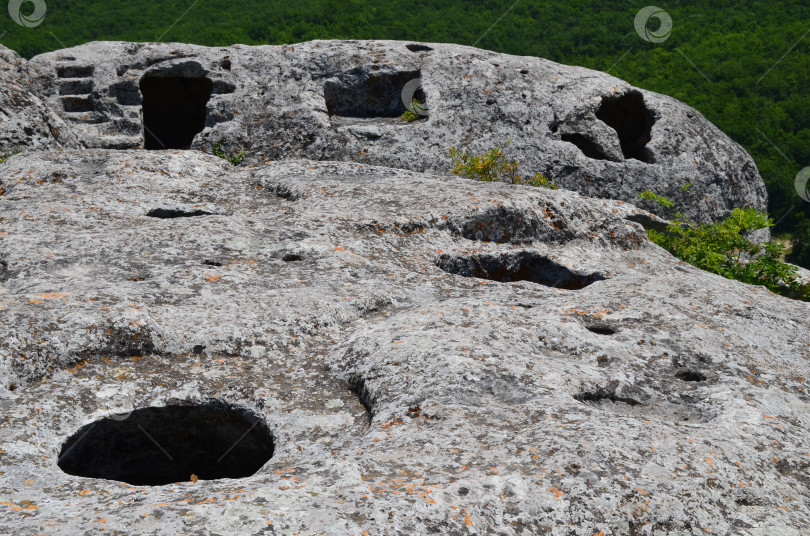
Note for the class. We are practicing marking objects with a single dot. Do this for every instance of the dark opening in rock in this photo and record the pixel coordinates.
(588, 148)
(522, 266)
(629, 117)
(413, 47)
(601, 329)
(359, 389)
(367, 95)
(600, 395)
(291, 257)
(690, 376)
(165, 213)
(173, 110)
(157, 446)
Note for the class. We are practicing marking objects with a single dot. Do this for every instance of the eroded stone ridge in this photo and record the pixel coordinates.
(404, 353)
(341, 100)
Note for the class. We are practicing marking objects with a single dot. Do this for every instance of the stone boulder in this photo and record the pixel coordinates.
(25, 121)
(339, 348)
(342, 100)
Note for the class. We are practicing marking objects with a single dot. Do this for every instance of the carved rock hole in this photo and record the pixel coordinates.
(173, 110)
(358, 388)
(601, 329)
(359, 94)
(690, 376)
(163, 445)
(632, 120)
(522, 266)
(167, 213)
(602, 395)
(413, 47)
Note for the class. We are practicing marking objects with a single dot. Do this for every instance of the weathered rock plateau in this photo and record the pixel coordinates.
(336, 100)
(331, 347)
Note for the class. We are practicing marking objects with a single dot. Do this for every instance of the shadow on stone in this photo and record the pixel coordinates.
(164, 445)
(588, 147)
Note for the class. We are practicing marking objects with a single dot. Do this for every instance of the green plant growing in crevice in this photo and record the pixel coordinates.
(655, 198)
(5, 156)
(723, 249)
(412, 113)
(493, 166)
(234, 160)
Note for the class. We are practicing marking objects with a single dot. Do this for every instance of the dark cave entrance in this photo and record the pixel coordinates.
(163, 445)
(173, 110)
(629, 117)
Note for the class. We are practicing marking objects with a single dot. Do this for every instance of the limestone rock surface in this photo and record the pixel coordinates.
(25, 121)
(431, 355)
(341, 100)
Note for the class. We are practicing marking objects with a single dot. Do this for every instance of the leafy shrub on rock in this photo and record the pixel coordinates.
(5, 156)
(234, 160)
(493, 166)
(723, 249)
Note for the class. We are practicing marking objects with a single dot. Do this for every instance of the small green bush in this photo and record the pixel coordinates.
(655, 198)
(412, 114)
(493, 166)
(234, 160)
(5, 156)
(722, 248)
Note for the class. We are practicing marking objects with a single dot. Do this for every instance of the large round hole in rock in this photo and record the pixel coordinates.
(522, 266)
(173, 110)
(164, 445)
(629, 117)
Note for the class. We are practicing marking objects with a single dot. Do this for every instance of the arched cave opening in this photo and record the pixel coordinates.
(632, 120)
(164, 445)
(173, 110)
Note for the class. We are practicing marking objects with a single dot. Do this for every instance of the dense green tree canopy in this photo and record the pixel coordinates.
(744, 64)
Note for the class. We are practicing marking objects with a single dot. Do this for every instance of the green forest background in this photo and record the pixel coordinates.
(744, 64)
